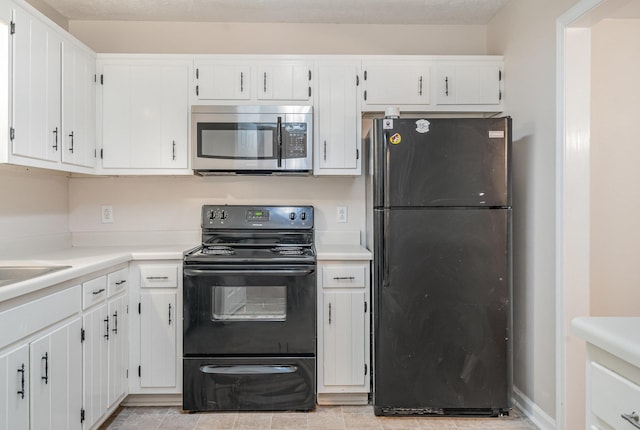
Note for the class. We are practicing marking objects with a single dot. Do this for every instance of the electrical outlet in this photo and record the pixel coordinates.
(106, 214)
(341, 214)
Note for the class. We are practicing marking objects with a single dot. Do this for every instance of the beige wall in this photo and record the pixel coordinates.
(257, 38)
(173, 204)
(615, 163)
(525, 33)
(33, 210)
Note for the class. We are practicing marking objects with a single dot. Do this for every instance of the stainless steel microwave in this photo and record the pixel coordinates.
(251, 140)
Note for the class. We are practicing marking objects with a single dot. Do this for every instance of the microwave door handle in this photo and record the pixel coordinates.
(279, 136)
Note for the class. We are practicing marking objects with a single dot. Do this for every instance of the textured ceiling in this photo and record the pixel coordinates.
(477, 12)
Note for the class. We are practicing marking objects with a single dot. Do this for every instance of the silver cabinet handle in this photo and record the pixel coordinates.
(173, 153)
(45, 357)
(325, 150)
(633, 418)
(96, 292)
(344, 278)
(121, 282)
(420, 86)
(115, 322)
(242, 82)
(329, 313)
(157, 278)
(55, 145)
(446, 86)
(265, 82)
(21, 392)
(169, 313)
(71, 147)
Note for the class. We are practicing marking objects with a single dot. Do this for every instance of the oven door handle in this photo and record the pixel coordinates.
(249, 272)
(248, 369)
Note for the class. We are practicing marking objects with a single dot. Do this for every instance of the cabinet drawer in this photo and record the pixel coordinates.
(94, 291)
(612, 396)
(38, 314)
(159, 276)
(117, 281)
(344, 276)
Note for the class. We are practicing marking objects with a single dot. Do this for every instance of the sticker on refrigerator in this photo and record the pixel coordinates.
(422, 126)
(496, 134)
(395, 138)
(387, 124)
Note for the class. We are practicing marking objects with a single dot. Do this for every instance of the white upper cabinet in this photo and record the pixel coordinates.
(252, 80)
(145, 116)
(78, 105)
(464, 83)
(36, 89)
(52, 96)
(337, 119)
(284, 81)
(396, 82)
(223, 81)
(469, 83)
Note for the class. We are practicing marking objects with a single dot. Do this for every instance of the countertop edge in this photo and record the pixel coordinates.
(82, 261)
(619, 336)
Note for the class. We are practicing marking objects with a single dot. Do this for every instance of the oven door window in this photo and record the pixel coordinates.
(233, 140)
(253, 303)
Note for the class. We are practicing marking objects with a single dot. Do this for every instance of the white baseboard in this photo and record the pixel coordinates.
(532, 411)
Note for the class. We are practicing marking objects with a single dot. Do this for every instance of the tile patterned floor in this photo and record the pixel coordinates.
(323, 418)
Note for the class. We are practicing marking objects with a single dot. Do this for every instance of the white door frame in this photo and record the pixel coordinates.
(573, 88)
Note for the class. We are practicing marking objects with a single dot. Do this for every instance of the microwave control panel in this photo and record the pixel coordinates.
(296, 140)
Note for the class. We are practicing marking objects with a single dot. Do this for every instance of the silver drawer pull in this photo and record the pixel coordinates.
(96, 292)
(121, 282)
(633, 418)
(344, 278)
(157, 278)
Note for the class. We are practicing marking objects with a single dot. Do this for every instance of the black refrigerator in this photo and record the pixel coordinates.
(441, 219)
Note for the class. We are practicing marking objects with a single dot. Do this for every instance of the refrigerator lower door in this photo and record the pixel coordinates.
(442, 297)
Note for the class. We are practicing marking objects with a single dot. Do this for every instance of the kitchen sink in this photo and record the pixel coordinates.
(12, 274)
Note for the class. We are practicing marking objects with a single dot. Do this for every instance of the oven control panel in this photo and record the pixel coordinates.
(257, 217)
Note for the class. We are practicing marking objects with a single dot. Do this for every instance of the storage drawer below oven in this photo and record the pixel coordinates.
(249, 384)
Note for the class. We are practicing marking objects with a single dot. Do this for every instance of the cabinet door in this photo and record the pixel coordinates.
(14, 389)
(145, 116)
(56, 379)
(158, 338)
(397, 83)
(284, 82)
(223, 81)
(337, 120)
(344, 338)
(118, 348)
(36, 89)
(95, 364)
(78, 106)
(469, 84)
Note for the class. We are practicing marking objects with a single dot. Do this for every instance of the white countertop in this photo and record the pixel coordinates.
(86, 260)
(82, 261)
(342, 252)
(619, 336)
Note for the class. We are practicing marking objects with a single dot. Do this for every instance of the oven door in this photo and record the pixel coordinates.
(249, 310)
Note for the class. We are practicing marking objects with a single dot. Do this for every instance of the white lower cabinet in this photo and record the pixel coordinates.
(155, 328)
(95, 364)
(343, 332)
(105, 348)
(14, 388)
(56, 379)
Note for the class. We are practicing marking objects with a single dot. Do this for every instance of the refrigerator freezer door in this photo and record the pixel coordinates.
(443, 162)
(442, 311)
